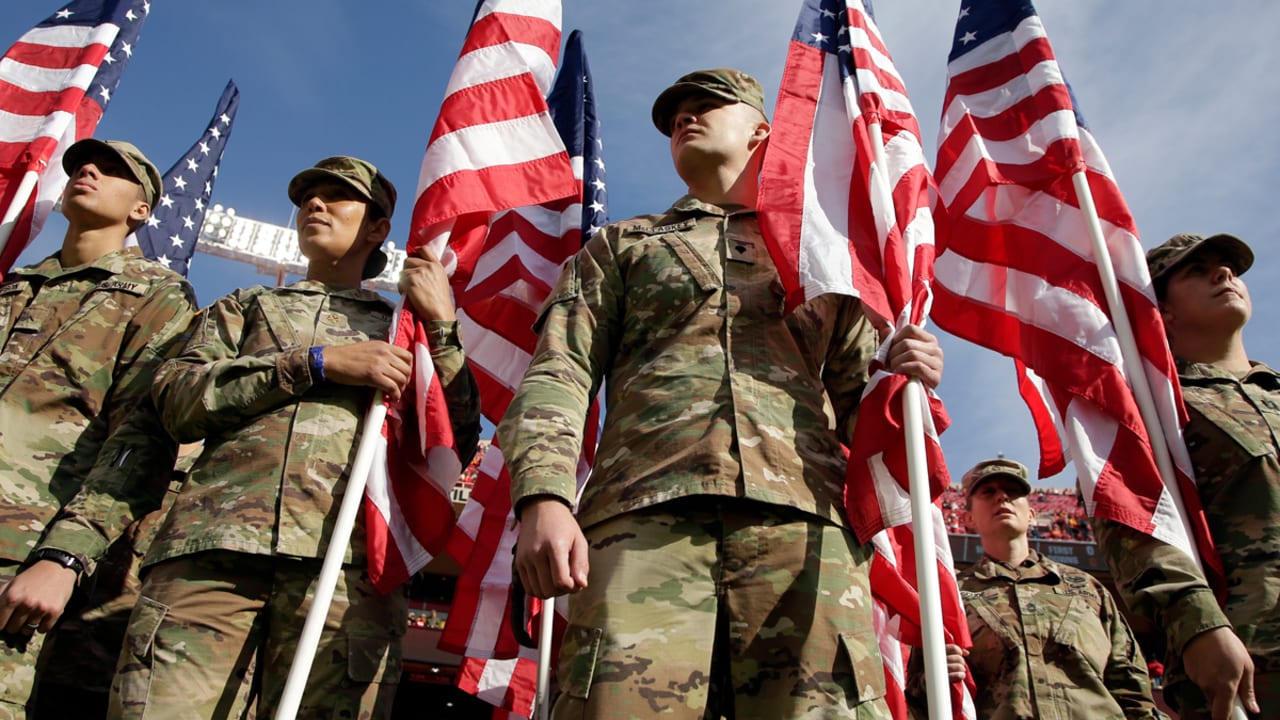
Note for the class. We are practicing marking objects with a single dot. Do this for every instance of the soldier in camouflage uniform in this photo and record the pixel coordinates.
(712, 569)
(1234, 408)
(277, 381)
(82, 452)
(1048, 639)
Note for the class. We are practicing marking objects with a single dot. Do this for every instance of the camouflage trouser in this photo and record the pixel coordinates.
(214, 634)
(1191, 704)
(18, 656)
(699, 608)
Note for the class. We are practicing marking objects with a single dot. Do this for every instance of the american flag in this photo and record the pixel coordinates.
(1018, 274)
(493, 147)
(169, 235)
(840, 219)
(838, 222)
(55, 83)
(522, 258)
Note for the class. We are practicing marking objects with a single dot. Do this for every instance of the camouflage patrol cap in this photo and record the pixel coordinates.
(1163, 258)
(143, 170)
(362, 177)
(726, 83)
(988, 469)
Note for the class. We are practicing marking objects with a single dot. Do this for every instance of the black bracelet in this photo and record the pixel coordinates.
(62, 557)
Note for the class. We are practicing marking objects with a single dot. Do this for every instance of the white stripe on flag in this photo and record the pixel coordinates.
(482, 146)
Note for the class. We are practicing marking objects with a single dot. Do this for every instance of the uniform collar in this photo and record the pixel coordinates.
(692, 205)
(1033, 568)
(1259, 373)
(112, 263)
(357, 294)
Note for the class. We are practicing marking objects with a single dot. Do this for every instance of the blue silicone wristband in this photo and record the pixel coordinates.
(317, 364)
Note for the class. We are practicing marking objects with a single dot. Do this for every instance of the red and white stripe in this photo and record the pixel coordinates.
(838, 220)
(1018, 275)
(408, 511)
(43, 111)
(897, 610)
(493, 147)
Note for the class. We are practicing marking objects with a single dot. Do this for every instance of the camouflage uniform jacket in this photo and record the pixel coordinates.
(79, 437)
(710, 388)
(1232, 440)
(278, 444)
(1049, 642)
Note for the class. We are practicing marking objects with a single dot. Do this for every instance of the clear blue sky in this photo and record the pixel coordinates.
(1182, 96)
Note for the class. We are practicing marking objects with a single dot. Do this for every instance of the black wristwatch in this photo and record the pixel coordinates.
(62, 557)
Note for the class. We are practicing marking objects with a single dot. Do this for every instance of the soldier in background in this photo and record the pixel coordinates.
(277, 382)
(1234, 408)
(713, 570)
(1048, 639)
(82, 453)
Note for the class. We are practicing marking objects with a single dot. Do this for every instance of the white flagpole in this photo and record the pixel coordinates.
(546, 631)
(1133, 365)
(11, 213)
(352, 499)
(913, 399)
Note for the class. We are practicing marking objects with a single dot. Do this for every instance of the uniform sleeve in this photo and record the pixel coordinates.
(1126, 674)
(210, 387)
(461, 394)
(131, 472)
(541, 433)
(1159, 582)
(845, 373)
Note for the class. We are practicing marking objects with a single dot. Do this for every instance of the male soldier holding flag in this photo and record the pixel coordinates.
(1232, 438)
(712, 568)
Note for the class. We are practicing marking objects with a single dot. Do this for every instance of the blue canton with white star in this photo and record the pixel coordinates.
(169, 235)
(982, 20)
(572, 103)
(128, 15)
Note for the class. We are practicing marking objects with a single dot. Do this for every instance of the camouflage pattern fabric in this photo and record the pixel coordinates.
(80, 347)
(214, 635)
(1048, 642)
(82, 453)
(790, 593)
(278, 446)
(1232, 440)
(19, 655)
(710, 389)
(712, 395)
(79, 660)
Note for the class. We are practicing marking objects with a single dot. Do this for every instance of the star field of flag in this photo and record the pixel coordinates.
(169, 235)
(573, 110)
(91, 12)
(992, 20)
(822, 25)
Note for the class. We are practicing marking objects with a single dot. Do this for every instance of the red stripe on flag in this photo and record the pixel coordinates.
(501, 27)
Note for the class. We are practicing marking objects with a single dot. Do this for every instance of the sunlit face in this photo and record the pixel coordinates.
(333, 222)
(1204, 296)
(103, 191)
(709, 131)
(999, 507)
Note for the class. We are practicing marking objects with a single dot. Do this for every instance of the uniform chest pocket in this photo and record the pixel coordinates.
(703, 274)
(1225, 439)
(668, 280)
(280, 332)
